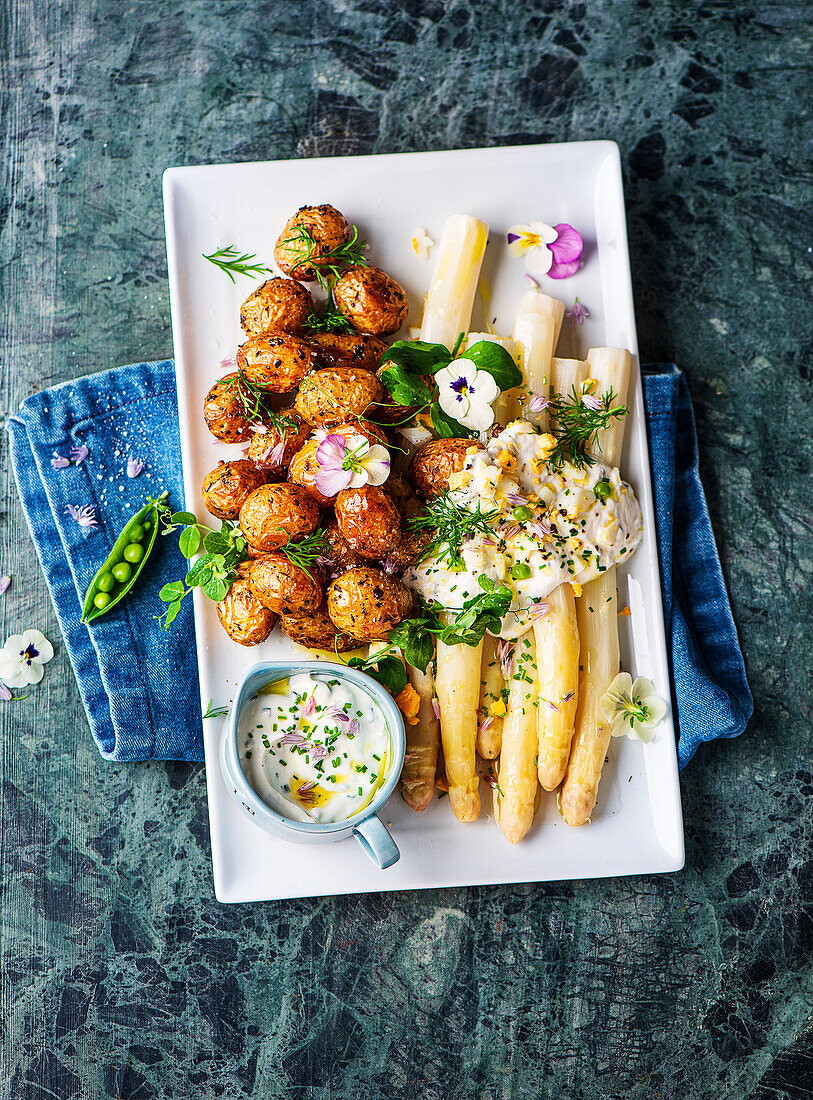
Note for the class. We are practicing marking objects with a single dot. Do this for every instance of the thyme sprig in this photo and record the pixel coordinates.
(451, 526)
(326, 265)
(578, 423)
(231, 261)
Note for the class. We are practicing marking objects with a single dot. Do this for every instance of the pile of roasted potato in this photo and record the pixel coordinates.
(291, 386)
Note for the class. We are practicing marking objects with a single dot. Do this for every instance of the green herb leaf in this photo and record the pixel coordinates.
(450, 526)
(388, 670)
(417, 356)
(171, 614)
(189, 542)
(215, 543)
(479, 614)
(331, 320)
(577, 425)
(231, 261)
(404, 388)
(216, 589)
(194, 574)
(173, 591)
(413, 637)
(496, 361)
(215, 712)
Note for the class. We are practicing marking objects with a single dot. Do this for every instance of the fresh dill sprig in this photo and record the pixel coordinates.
(332, 320)
(231, 261)
(451, 526)
(305, 552)
(578, 419)
(250, 395)
(310, 254)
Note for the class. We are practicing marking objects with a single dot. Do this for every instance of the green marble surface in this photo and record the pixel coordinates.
(121, 976)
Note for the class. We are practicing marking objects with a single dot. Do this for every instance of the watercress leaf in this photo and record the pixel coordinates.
(216, 588)
(417, 356)
(215, 543)
(496, 361)
(183, 517)
(446, 427)
(405, 389)
(172, 591)
(419, 651)
(189, 542)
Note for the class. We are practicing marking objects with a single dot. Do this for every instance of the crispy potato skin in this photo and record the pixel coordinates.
(283, 587)
(366, 604)
(435, 462)
(371, 300)
(316, 631)
(274, 514)
(305, 463)
(334, 349)
(368, 520)
(263, 444)
(340, 554)
(224, 412)
(275, 361)
(408, 550)
(279, 305)
(335, 395)
(403, 497)
(227, 486)
(326, 226)
(244, 618)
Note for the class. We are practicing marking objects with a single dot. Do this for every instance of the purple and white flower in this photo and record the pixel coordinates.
(577, 313)
(553, 250)
(436, 707)
(85, 515)
(465, 393)
(22, 658)
(134, 467)
(348, 462)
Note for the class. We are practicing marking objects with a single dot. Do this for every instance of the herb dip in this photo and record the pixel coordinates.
(552, 525)
(314, 748)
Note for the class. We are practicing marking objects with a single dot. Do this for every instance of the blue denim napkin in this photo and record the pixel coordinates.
(140, 684)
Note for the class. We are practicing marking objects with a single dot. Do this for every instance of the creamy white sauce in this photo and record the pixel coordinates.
(314, 748)
(564, 531)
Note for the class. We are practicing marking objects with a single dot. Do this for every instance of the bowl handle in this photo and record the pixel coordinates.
(377, 843)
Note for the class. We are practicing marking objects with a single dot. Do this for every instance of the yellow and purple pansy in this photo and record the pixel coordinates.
(553, 250)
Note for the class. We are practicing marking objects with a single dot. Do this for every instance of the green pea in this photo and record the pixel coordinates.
(106, 583)
(133, 553)
(603, 489)
(147, 525)
(101, 600)
(522, 514)
(520, 571)
(122, 572)
(137, 533)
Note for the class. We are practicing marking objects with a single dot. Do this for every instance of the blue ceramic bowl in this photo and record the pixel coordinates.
(365, 826)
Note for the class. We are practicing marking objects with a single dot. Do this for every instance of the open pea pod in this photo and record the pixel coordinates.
(125, 561)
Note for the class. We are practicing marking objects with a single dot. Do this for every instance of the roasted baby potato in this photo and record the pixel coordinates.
(284, 587)
(369, 520)
(408, 551)
(227, 486)
(275, 442)
(370, 300)
(340, 554)
(275, 361)
(366, 604)
(244, 618)
(226, 410)
(335, 349)
(336, 395)
(275, 514)
(401, 493)
(279, 305)
(316, 631)
(436, 461)
(310, 240)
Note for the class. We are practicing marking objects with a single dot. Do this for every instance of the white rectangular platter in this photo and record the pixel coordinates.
(637, 825)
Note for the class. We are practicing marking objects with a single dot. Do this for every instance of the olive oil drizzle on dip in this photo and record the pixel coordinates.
(549, 527)
(314, 748)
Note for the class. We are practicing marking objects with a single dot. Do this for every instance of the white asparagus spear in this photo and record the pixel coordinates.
(454, 280)
(516, 775)
(422, 744)
(457, 682)
(492, 706)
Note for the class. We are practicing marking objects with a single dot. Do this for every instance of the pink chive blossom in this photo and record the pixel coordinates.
(590, 401)
(5, 693)
(505, 655)
(538, 403)
(318, 752)
(539, 609)
(487, 542)
(277, 453)
(59, 462)
(79, 453)
(436, 707)
(510, 532)
(310, 707)
(229, 361)
(354, 727)
(389, 566)
(84, 516)
(568, 696)
(134, 467)
(4, 583)
(531, 281)
(577, 313)
(292, 737)
(515, 498)
(539, 528)
(552, 705)
(486, 723)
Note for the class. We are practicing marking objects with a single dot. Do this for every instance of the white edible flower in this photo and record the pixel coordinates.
(632, 709)
(22, 658)
(465, 393)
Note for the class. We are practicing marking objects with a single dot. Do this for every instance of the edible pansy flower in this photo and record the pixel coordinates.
(348, 462)
(22, 658)
(59, 462)
(553, 250)
(577, 313)
(632, 709)
(465, 393)
(134, 467)
(85, 516)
